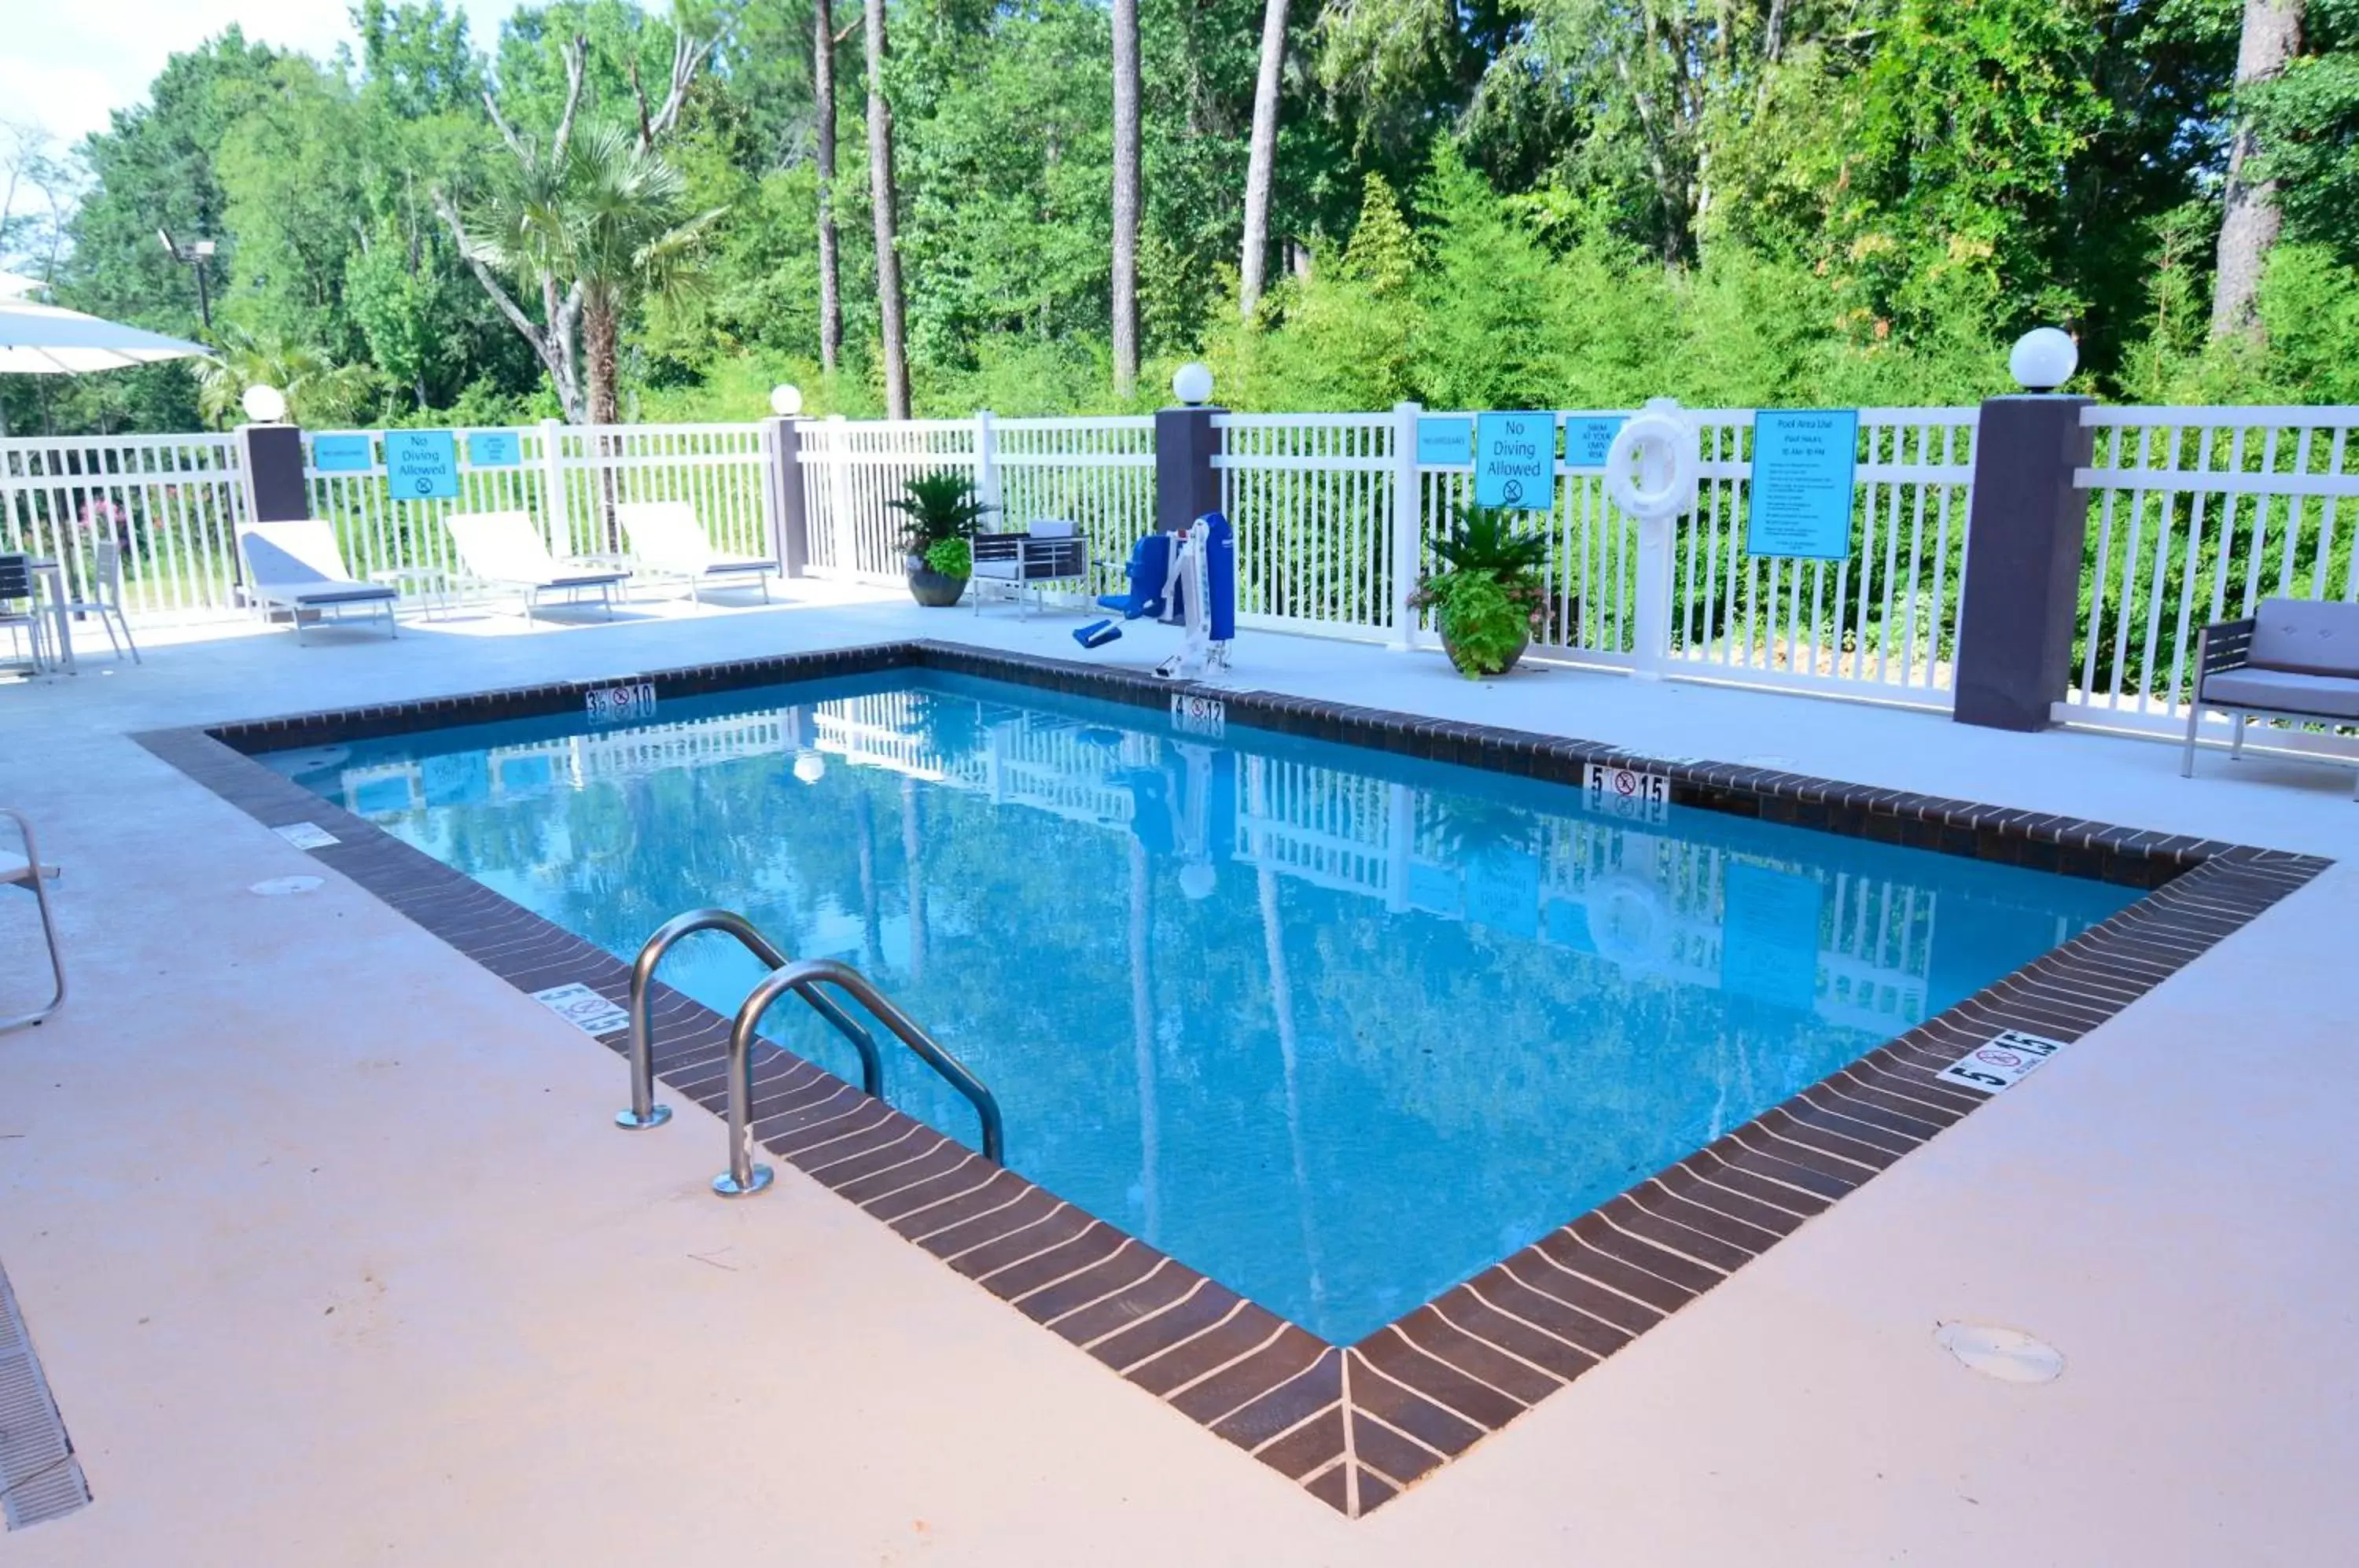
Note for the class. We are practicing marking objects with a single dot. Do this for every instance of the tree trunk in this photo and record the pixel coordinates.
(830, 303)
(2249, 219)
(1125, 198)
(1262, 160)
(599, 330)
(880, 198)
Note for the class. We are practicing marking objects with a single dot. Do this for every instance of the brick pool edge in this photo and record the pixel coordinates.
(1353, 1424)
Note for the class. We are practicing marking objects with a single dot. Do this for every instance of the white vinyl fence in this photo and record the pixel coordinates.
(170, 503)
(2196, 515)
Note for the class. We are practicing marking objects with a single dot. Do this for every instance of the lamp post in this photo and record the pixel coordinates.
(194, 256)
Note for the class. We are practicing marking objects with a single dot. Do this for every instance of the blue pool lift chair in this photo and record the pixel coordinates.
(1186, 579)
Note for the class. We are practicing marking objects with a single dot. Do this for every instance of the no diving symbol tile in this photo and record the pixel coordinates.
(2001, 1062)
(584, 1009)
(306, 835)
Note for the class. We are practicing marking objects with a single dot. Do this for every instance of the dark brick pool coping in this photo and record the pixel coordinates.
(1353, 1424)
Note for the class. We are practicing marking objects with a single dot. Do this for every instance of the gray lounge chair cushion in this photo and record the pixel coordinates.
(2284, 691)
(584, 580)
(2307, 635)
(325, 592)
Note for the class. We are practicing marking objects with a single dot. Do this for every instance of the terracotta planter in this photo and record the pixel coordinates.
(937, 590)
(1464, 668)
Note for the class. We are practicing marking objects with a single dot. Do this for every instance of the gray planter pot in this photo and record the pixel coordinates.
(937, 590)
(1451, 648)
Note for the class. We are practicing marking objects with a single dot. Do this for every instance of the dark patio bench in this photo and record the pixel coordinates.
(2293, 658)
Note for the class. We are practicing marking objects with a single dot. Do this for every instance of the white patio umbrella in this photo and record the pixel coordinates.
(48, 340)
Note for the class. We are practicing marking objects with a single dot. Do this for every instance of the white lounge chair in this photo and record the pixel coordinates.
(26, 870)
(502, 549)
(299, 567)
(666, 538)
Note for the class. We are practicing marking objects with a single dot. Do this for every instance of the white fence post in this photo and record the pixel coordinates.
(1408, 525)
(1650, 626)
(556, 517)
(839, 506)
(987, 458)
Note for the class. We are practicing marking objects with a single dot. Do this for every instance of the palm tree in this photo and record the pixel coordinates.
(1125, 197)
(318, 393)
(603, 216)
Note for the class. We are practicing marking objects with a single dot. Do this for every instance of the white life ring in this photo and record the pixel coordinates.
(1628, 922)
(1657, 440)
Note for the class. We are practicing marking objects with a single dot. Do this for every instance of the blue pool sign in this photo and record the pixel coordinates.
(421, 465)
(1802, 466)
(495, 449)
(1515, 460)
(1588, 437)
(341, 454)
(1445, 442)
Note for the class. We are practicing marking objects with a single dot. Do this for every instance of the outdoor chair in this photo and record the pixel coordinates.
(299, 567)
(502, 548)
(667, 538)
(20, 611)
(1051, 550)
(27, 871)
(2296, 659)
(106, 598)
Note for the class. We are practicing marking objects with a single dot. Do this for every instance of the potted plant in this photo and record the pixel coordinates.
(942, 510)
(1487, 598)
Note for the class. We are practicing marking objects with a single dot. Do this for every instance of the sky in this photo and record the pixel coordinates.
(67, 63)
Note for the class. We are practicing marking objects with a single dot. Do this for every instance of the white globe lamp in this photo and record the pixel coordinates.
(2044, 359)
(265, 405)
(811, 767)
(1197, 880)
(785, 401)
(1192, 384)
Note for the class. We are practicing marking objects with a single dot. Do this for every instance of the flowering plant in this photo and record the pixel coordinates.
(1489, 602)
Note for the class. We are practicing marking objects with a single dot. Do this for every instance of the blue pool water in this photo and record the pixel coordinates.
(1336, 1027)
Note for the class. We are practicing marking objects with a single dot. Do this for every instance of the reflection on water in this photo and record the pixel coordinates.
(1337, 1029)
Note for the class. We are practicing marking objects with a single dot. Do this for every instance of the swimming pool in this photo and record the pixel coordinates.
(1336, 1027)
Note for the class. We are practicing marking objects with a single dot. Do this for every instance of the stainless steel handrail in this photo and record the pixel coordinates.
(644, 1111)
(744, 1176)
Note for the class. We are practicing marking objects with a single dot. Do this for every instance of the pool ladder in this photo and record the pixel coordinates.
(803, 977)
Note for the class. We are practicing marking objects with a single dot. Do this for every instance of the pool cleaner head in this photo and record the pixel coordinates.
(1097, 634)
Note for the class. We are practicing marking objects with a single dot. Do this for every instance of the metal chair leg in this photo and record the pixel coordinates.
(2237, 744)
(49, 926)
(125, 621)
(2194, 718)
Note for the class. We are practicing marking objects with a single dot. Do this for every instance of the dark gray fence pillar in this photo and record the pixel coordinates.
(1187, 485)
(270, 459)
(2026, 534)
(789, 525)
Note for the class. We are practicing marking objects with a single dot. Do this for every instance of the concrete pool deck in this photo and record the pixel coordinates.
(330, 1254)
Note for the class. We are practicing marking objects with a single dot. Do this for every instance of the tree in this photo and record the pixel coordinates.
(2249, 217)
(830, 302)
(320, 393)
(1262, 160)
(881, 199)
(604, 221)
(592, 225)
(1125, 198)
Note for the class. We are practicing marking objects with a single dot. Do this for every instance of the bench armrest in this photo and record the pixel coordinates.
(2222, 647)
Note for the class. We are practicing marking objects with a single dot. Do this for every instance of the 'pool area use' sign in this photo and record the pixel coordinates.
(1445, 442)
(1803, 460)
(1515, 460)
(341, 454)
(421, 465)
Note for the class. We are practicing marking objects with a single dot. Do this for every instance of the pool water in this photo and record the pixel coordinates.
(1336, 1027)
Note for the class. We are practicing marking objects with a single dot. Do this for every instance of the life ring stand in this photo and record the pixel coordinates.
(1657, 439)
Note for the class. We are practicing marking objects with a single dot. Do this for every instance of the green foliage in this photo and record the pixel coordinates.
(950, 557)
(1486, 540)
(319, 392)
(939, 507)
(1487, 620)
(1569, 203)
